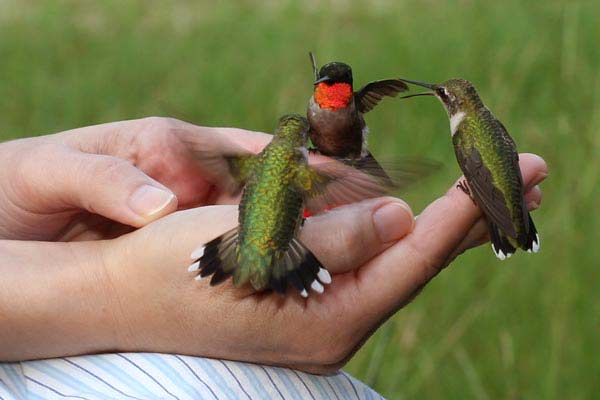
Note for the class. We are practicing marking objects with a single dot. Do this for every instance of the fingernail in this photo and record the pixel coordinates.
(149, 200)
(533, 198)
(393, 221)
(538, 179)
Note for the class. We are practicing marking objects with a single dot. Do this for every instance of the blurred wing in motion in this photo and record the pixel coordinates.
(371, 94)
(225, 164)
(397, 174)
(343, 181)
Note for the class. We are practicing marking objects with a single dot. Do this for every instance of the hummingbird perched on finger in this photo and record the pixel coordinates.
(488, 158)
(335, 111)
(278, 184)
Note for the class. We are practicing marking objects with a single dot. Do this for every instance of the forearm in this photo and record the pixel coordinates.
(54, 300)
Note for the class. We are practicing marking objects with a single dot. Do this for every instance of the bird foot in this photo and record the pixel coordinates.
(462, 185)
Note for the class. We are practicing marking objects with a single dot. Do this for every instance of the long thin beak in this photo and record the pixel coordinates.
(418, 94)
(322, 79)
(314, 64)
(423, 84)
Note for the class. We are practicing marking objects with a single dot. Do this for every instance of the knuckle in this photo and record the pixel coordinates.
(158, 133)
(107, 168)
(428, 264)
(159, 125)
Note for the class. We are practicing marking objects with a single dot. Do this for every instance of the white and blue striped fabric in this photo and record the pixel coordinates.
(168, 376)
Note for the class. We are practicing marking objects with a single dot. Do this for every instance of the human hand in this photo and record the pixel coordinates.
(380, 258)
(98, 181)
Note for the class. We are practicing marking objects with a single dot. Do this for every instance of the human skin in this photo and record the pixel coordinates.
(99, 285)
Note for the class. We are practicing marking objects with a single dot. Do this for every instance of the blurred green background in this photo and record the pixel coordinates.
(528, 327)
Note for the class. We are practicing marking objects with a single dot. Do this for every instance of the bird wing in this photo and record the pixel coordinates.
(489, 197)
(225, 164)
(369, 95)
(342, 181)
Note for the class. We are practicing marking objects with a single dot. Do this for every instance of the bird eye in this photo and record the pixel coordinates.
(443, 93)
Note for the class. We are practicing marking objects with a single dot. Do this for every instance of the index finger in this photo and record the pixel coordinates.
(390, 279)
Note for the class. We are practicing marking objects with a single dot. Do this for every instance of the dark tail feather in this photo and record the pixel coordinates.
(500, 243)
(298, 268)
(217, 258)
(532, 242)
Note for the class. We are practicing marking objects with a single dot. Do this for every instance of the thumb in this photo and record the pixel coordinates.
(347, 237)
(61, 178)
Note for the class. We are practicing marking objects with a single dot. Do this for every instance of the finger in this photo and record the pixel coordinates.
(347, 237)
(395, 275)
(444, 224)
(63, 178)
(533, 198)
(157, 147)
(479, 233)
(250, 140)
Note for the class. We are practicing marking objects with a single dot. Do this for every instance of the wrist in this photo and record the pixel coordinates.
(55, 300)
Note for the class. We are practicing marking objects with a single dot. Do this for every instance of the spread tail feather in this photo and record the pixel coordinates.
(532, 242)
(216, 258)
(500, 243)
(504, 247)
(296, 267)
(299, 268)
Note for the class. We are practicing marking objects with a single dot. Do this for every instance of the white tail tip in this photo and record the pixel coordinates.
(196, 254)
(194, 267)
(304, 293)
(324, 276)
(317, 287)
(536, 244)
(500, 254)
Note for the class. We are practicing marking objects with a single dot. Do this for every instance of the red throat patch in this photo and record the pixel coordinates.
(333, 97)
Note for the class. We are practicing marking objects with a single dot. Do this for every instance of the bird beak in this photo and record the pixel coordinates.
(322, 79)
(423, 84)
(418, 94)
(314, 64)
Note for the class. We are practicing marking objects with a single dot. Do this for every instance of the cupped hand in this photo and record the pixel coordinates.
(379, 254)
(99, 181)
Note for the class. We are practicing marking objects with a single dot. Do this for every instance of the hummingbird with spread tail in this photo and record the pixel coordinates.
(278, 184)
(335, 111)
(488, 158)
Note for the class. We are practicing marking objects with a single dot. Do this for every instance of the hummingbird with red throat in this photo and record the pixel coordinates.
(335, 111)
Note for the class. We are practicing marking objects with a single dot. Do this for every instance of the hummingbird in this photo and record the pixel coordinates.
(335, 111)
(278, 183)
(488, 158)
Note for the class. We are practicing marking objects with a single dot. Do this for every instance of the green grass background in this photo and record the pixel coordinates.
(528, 327)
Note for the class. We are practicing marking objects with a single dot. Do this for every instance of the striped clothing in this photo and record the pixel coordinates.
(168, 376)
